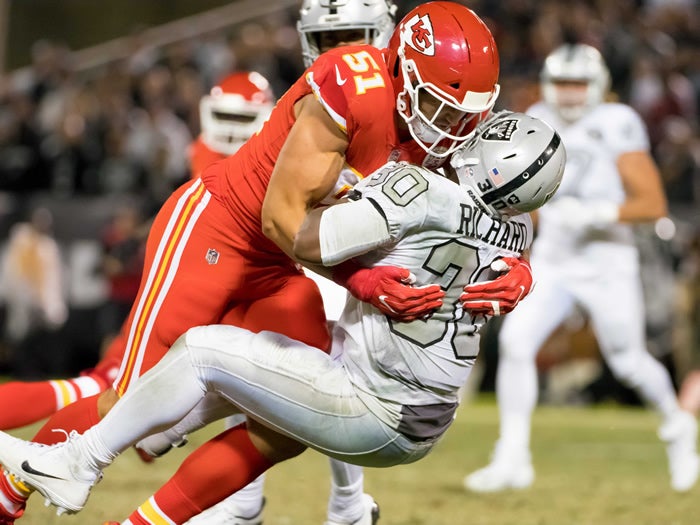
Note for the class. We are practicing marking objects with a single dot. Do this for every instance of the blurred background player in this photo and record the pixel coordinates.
(32, 285)
(234, 110)
(231, 113)
(357, 405)
(325, 125)
(584, 256)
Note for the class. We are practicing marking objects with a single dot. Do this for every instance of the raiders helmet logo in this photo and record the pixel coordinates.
(501, 130)
(418, 33)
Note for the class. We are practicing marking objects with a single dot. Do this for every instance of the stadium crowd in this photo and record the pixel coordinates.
(121, 132)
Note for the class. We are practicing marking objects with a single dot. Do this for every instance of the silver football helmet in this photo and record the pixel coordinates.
(513, 165)
(574, 63)
(373, 17)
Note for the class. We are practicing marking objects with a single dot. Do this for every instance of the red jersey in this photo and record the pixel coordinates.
(354, 86)
(201, 156)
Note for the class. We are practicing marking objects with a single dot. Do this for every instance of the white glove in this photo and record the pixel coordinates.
(576, 214)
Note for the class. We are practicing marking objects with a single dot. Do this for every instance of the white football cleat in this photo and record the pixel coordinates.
(59, 472)
(370, 514)
(226, 513)
(680, 434)
(509, 469)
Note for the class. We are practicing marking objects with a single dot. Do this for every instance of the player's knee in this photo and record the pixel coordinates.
(274, 446)
(513, 347)
(626, 366)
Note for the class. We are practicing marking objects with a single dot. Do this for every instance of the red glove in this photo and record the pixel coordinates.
(501, 295)
(389, 289)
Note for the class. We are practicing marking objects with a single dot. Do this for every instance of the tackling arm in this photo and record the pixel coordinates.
(325, 237)
(306, 170)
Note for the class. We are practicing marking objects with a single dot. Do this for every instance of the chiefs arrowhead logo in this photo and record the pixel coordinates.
(417, 32)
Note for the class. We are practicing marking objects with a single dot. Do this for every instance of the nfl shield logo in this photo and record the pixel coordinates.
(212, 256)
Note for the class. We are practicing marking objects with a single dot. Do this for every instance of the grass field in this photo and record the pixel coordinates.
(595, 466)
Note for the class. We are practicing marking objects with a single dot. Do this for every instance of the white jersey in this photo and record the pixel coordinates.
(593, 145)
(411, 371)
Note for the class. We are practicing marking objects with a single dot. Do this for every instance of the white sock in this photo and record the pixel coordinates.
(249, 500)
(211, 408)
(345, 501)
(516, 389)
(655, 386)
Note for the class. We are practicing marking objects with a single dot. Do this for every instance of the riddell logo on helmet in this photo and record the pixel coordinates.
(418, 33)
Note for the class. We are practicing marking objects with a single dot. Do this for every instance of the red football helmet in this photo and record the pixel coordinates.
(445, 66)
(234, 111)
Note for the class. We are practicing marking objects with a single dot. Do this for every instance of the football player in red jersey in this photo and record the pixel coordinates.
(220, 249)
(390, 390)
(233, 111)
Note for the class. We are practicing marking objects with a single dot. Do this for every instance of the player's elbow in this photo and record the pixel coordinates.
(268, 225)
(306, 249)
(272, 228)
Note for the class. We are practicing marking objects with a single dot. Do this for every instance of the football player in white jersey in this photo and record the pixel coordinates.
(389, 390)
(585, 256)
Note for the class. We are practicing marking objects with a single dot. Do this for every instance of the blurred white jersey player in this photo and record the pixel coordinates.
(585, 256)
(389, 390)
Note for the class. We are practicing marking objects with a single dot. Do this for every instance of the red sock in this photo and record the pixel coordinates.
(79, 416)
(25, 403)
(217, 469)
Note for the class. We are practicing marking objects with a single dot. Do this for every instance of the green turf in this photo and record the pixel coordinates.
(595, 466)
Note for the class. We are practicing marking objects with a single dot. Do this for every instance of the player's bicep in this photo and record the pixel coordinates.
(306, 170)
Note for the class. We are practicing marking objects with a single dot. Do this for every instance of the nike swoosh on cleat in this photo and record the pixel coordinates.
(29, 470)
(338, 78)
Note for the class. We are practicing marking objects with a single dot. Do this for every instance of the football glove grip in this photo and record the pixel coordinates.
(501, 295)
(391, 290)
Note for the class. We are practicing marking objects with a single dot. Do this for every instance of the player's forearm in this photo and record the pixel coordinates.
(283, 214)
(647, 205)
(281, 234)
(645, 199)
